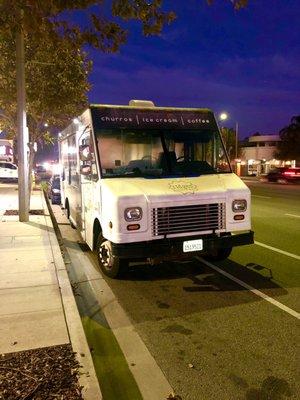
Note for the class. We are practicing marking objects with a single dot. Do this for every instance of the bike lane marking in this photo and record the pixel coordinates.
(293, 215)
(251, 289)
(286, 253)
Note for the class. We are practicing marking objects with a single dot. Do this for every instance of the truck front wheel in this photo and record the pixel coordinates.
(111, 265)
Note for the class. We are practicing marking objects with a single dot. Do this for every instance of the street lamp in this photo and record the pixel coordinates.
(222, 117)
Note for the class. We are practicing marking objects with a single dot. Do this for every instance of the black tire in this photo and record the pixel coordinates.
(219, 255)
(110, 265)
(67, 208)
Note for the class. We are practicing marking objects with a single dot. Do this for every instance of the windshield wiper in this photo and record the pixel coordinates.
(125, 175)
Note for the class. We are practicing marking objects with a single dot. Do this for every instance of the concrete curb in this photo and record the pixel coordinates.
(88, 378)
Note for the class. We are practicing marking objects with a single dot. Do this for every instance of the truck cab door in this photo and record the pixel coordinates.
(88, 183)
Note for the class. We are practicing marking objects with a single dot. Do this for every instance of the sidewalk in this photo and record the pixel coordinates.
(37, 307)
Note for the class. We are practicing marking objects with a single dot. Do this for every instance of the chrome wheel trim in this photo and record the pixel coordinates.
(105, 255)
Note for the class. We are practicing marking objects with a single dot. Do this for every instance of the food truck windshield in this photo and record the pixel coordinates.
(160, 153)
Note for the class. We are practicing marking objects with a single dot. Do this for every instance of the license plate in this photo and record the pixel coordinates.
(192, 245)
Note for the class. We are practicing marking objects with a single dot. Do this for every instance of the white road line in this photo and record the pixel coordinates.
(252, 289)
(278, 250)
(293, 215)
(263, 197)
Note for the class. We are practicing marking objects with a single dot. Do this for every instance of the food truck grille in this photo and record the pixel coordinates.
(192, 218)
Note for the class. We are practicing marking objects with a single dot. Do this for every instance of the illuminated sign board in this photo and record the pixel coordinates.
(104, 117)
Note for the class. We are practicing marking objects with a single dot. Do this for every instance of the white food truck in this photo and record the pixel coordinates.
(151, 183)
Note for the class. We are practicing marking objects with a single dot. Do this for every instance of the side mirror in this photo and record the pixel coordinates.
(84, 152)
(85, 170)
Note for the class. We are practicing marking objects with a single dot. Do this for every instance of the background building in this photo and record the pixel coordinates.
(258, 154)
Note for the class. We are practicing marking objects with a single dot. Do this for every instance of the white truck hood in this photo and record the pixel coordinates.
(207, 186)
(148, 194)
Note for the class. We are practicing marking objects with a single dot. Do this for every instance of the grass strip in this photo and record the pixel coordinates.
(115, 378)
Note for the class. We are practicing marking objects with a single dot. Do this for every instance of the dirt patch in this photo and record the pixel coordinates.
(40, 374)
(160, 304)
(175, 328)
(31, 212)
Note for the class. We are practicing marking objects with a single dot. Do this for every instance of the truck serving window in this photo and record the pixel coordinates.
(160, 153)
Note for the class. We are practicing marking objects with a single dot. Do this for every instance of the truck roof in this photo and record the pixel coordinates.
(204, 110)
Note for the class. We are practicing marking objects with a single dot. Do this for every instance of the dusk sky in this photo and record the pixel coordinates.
(246, 63)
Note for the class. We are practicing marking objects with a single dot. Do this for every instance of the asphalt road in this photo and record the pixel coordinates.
(213, 337)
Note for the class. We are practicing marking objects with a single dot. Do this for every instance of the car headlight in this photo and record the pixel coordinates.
(133, 214)
(239, 205)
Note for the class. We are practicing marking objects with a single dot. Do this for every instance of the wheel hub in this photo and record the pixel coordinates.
(105, 255)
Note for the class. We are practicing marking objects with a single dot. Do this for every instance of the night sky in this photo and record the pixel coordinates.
(246, 63)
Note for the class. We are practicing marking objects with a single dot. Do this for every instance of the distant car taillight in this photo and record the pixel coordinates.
(289, 173)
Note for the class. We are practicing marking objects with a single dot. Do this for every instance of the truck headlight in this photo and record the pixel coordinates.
(133, 214)
(239, 205)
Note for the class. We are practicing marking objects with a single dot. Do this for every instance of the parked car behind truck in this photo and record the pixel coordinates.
(150, 183)
(54, 189)
(283, 175)
(41, 173)
(8, 171)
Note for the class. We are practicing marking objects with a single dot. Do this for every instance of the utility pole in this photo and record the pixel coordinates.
(236, 139)
(22, 131)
